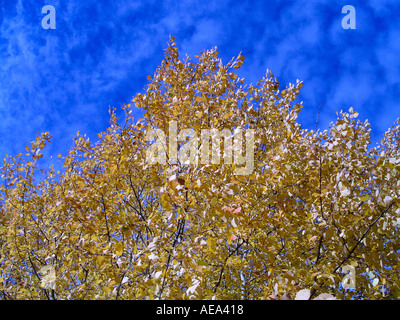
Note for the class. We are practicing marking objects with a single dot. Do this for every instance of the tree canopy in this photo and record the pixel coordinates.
(118, 224)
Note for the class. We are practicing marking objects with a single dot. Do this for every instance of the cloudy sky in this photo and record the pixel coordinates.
(63, 80)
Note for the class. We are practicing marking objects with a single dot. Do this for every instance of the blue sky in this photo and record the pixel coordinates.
(64, 80)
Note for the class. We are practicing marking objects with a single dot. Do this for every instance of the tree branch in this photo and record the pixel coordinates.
(363, 236)
(105, 217)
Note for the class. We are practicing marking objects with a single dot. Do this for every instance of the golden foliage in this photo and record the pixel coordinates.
(112, 226)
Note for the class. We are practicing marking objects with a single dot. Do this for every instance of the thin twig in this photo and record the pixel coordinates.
(105, 217)
(319, 249)
(316, 122)
(223, 267)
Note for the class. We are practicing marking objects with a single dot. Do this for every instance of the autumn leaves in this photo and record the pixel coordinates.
(117, 225)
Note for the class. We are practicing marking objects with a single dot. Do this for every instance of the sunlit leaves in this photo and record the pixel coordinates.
(113, 225)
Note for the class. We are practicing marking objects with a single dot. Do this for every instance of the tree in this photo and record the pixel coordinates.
(121, 223)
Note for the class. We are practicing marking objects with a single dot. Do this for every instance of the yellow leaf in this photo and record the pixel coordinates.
(106, 290)
(165, 203)
(100, 260)
(364, 198)
(119, 247)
